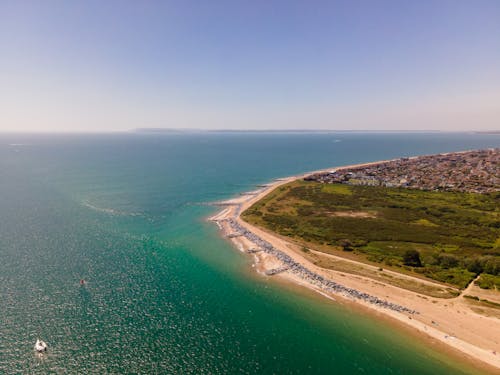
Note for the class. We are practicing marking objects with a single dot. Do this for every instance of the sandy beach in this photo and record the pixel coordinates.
(453, 322)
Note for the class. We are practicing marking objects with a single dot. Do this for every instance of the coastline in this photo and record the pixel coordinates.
(447, 323)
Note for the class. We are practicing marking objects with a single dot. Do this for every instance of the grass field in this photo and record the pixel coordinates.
(455, 236)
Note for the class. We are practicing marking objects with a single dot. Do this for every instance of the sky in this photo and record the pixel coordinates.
(337, 65)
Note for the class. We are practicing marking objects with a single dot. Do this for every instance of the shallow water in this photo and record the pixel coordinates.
(164, 293)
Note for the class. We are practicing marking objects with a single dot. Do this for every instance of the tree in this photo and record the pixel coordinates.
(412, 258)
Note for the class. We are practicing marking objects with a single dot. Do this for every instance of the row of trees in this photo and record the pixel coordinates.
(488, 263)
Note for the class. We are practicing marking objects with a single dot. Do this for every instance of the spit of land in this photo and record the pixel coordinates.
(378, 235)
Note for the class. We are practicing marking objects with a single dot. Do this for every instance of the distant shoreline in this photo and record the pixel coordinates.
(305, 131)
(436, 320)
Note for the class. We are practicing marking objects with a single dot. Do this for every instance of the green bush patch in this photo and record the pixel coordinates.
(455, 236)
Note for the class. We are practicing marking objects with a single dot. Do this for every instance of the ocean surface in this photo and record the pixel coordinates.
(165, 293)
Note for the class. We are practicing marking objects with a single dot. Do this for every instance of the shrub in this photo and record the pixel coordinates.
(492, 266)
(346, 245)
(448, 260)
(473, 265)
(411, 258)
(488, 282)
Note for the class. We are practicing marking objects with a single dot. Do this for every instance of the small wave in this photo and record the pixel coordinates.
(200, 203)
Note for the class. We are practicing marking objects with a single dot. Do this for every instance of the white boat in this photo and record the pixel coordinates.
(40, 346)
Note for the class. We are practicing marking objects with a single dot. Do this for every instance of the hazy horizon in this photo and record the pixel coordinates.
(229, 130)
(281, 65)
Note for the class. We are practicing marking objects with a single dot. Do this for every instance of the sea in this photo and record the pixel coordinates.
(163, 292)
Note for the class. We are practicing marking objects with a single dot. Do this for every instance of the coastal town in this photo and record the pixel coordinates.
(470, 171)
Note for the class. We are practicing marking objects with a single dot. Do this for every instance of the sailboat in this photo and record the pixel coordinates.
(40, 346)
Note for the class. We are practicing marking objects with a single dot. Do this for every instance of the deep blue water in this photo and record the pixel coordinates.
(165, 293)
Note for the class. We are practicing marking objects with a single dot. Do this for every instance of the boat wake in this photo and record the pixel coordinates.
(110, 211)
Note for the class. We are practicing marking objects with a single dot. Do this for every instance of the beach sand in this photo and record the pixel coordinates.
(451, 322)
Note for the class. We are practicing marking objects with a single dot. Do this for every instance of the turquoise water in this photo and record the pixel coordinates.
(165, 293)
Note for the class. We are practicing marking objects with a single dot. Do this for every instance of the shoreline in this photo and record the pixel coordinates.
(448, 322)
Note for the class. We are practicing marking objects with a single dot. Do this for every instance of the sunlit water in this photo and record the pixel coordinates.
(164, 293)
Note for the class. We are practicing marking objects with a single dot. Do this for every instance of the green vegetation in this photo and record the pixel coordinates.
(476, 298)
(446, 236)
(380, 274)
(487, 281)
(411, 257)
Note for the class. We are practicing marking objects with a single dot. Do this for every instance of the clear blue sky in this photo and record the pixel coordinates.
(117, 65)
